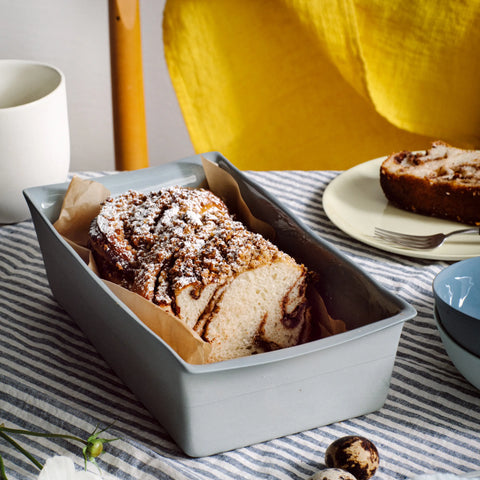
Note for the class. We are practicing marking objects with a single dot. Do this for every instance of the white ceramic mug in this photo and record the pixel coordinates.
(34, 133)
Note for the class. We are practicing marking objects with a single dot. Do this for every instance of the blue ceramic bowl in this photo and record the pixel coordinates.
(465, 362)
(456, 291)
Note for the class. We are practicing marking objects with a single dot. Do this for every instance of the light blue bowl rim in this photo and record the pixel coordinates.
(466, 266)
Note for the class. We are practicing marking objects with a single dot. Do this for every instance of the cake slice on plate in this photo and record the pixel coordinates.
(443, 182)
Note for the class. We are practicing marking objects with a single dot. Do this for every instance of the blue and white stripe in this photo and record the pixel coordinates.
(52, 379)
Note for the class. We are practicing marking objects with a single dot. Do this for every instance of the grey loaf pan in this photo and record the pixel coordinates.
(222, 406)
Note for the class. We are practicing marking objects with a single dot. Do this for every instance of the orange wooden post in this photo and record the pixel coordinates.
(129, 122)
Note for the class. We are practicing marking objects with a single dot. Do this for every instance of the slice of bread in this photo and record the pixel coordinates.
(443, 182)
(259, 310)
(181, 249)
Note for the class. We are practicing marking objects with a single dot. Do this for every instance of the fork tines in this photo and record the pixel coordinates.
(406, 240)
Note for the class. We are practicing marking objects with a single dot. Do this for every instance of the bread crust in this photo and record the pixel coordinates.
(442, 182)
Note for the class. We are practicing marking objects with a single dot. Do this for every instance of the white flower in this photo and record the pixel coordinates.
(63, 468)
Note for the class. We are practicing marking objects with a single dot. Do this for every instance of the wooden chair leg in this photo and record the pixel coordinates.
(129, 121)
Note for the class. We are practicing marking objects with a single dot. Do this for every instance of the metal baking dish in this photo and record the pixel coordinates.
(222, 406)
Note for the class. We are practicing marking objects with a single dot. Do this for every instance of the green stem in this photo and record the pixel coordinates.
(3, 475)
(39, 434)
(21, 449)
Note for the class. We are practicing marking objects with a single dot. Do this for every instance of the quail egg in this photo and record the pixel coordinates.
(333, 474)
(355, 454)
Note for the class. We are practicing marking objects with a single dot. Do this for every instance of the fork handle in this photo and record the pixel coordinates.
(465, 230)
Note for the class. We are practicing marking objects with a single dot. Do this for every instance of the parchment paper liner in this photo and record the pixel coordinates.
(82, 203)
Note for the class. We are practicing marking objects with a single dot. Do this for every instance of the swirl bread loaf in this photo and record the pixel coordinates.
(181, 249)
(441, 182)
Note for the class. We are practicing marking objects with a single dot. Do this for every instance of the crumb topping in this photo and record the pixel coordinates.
(162, 242)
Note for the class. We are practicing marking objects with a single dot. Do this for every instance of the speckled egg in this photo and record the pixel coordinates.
(355, 454)
(333, 474)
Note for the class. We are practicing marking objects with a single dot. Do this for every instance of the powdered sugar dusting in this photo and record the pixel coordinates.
(159, 243)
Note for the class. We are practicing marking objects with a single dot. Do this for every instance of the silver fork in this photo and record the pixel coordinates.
(419, 241)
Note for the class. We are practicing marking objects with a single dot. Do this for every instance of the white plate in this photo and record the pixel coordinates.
(355, 203)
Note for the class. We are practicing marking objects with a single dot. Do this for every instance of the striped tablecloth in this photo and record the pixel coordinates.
(52, 379)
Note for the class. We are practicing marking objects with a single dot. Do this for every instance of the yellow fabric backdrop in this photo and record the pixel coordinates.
(324, 84)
